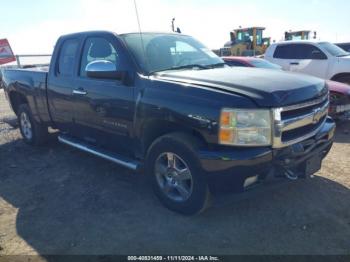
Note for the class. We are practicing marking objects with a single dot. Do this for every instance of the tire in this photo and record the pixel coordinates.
(32, 132)
(343, 79)
(185, 192)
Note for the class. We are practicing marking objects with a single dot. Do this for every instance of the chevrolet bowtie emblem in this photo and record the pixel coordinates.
(317, 115)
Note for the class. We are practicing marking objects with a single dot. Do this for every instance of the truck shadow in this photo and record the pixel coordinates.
(11, 121)
(71, 203)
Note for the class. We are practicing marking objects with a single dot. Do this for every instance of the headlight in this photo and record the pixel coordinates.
(245, 127)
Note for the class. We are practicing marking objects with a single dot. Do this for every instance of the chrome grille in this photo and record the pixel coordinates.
(293, 124)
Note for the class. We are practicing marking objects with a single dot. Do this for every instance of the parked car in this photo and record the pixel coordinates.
(246, 61)
(165, 104)
(339, 100)
(339, 92)
(321, 59)
(344, 46)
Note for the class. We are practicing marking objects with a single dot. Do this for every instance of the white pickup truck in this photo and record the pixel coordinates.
(321, 59)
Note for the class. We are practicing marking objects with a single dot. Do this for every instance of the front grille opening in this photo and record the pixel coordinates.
(301, 111)
(301, 131)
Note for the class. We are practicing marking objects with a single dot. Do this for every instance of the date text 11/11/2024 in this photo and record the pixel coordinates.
(173, 258)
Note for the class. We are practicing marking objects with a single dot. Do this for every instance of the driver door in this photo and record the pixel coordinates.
(104, 107)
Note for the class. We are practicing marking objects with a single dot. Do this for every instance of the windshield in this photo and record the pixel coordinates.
(169, 52)
(264, 64)
(333, 49)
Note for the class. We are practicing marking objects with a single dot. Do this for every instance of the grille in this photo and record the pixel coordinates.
(296, 123)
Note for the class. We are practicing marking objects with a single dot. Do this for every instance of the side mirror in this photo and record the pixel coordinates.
(104, 69)
(317, 55)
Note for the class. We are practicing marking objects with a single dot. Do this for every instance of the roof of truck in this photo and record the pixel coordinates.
(313, 41)
(114, 33)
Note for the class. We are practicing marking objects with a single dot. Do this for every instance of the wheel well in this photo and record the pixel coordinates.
(337, 76)
(17, 99)
(157, 129)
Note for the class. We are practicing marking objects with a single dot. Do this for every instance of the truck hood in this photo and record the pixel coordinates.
(267, 88)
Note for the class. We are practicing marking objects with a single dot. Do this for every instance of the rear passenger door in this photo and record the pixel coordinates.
(62, 79)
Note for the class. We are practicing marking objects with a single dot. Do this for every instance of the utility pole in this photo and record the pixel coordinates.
(173, 24)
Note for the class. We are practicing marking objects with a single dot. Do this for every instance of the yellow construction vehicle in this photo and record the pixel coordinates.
(299, 35)
(246, 42)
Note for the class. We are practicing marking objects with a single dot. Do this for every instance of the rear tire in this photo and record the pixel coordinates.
(177, 178)
(32, 132)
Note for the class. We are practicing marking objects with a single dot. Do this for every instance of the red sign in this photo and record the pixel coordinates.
(6, 54)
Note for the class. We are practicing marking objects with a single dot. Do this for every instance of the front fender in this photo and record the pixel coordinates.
(177, 107)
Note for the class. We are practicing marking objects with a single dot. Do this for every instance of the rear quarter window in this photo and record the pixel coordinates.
(282, 52)
(67, 57)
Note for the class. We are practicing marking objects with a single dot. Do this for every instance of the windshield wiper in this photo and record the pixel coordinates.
(191, 66)
(216, 65)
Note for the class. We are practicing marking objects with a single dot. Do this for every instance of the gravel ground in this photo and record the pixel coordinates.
(57, 200)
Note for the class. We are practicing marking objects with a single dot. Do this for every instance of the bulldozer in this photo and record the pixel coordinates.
(299, 35)
(246, 42)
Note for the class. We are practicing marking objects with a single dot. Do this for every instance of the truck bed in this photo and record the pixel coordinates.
(31, 83)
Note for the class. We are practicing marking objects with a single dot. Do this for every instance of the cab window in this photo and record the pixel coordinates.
(299, 51)
(67, 57)
(305, 51)
(97, 48)
(282, 52)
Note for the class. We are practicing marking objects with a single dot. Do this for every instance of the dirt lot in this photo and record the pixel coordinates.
(57, 200)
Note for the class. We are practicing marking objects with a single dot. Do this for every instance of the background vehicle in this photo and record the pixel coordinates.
(321, 59)
(250, 62)
(299, 35)
(171, 107)
(339, 100)
(339, 93)
(344, 46)
(246, 42)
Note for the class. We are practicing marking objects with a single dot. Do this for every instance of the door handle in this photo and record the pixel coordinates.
(294, 63)
(81, 92)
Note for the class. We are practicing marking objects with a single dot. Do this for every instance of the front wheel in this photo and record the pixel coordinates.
(176, 175)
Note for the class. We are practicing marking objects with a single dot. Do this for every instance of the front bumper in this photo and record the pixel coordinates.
(243, 163)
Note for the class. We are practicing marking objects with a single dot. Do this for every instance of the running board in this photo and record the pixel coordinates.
(115, 158)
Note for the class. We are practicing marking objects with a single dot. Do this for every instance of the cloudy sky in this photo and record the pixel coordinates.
(33, 26)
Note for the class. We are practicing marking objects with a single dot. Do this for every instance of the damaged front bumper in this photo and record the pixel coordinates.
(250, 165)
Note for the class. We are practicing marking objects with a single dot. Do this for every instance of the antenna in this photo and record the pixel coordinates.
(141, 36)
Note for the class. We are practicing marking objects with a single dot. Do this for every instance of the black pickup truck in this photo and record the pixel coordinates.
(165, 104)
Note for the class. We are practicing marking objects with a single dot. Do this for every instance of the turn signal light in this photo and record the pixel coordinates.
(225, 119)
(226, 136)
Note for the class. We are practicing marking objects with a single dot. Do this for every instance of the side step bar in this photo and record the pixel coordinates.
(115, 158)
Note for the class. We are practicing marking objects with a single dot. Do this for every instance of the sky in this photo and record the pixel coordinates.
(33, 27)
